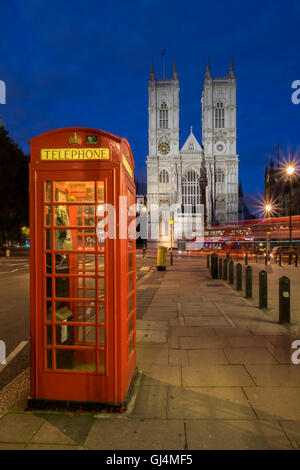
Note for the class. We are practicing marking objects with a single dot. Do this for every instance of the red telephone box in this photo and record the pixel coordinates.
(83, 273)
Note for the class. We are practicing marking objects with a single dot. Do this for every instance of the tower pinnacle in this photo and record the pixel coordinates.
(231, 73)
(208, 75)
(175, 73)
(152, 73)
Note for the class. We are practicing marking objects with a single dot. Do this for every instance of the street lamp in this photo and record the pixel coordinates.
(172, 234)
(268, 211)
(144, 211)
(290, 170)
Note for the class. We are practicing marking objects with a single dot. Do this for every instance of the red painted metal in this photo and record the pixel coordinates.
(78, 352)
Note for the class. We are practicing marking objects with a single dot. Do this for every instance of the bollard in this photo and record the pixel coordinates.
(263, 289)
(225, 269)
(220, 268)
(246, 259)
(7, 253)
(275, 257)
(231, 273)
(214, 266)
(284, 300)
(280, 259)
(161, 258)
(239, 276)
(296, 260)
(290, 257)
(207, 261)
(266, 260)
(248, 282)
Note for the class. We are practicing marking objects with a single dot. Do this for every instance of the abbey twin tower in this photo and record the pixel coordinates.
(196, 176)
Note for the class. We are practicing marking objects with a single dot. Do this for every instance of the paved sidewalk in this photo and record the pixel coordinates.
(216, 373)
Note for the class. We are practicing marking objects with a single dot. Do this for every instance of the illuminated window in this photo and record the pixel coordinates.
(164, 176)
(219, 115)
(191, 198)
(220, 176)
(163, 116)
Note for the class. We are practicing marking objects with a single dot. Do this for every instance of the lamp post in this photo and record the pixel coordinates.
(144, 211)
(290, 170)
(268, 210)
(172, 234)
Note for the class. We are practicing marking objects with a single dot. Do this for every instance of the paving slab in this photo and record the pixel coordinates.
(162, 374)
(231, 435)
(269, 330)
(216, 376)
(52, 447)
(208, 402)
(12, 446)
(152, 355)
(192, 331)
(249, 356)
(151, 325)
(206, 356)
(279, 375)
(160, 314)
(151, 336)
(248, 342)
(63, 429)
(210, 321)
(137, 434)
(292, 430)
(230, 332)
(19, 427)
(178, 357)
(283, 355)
(274, 403)
(151, 402)
(280, 340)
(211, 342)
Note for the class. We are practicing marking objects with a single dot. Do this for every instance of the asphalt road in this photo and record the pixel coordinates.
(14, 310)
(14, 314)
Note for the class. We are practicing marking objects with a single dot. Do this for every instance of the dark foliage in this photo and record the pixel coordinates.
(14, 192)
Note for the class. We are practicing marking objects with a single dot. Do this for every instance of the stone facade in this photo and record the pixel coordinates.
(173, 173)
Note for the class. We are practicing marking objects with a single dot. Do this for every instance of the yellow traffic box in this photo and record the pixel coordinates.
(161, 258)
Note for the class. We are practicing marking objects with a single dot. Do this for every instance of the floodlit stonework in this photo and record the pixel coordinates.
(195, 175)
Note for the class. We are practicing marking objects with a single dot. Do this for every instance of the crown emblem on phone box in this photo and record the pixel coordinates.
(75, 139)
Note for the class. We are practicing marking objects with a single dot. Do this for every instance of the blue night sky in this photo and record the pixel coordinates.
(87, 63)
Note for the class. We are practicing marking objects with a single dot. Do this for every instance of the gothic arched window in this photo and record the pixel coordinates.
(163, 176)
(219, 115)
(163, 116)
(191, 194)
(220, 176)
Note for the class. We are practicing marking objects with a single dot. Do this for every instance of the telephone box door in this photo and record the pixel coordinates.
(74, 262)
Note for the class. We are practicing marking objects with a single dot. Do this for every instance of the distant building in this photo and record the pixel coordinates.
(193, 174)
(244, 213)
(277, 191)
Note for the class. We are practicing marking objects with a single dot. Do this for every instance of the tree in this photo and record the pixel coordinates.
(14, 182)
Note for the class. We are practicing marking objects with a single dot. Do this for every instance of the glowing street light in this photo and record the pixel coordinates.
(290, 170)
(268, 209)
